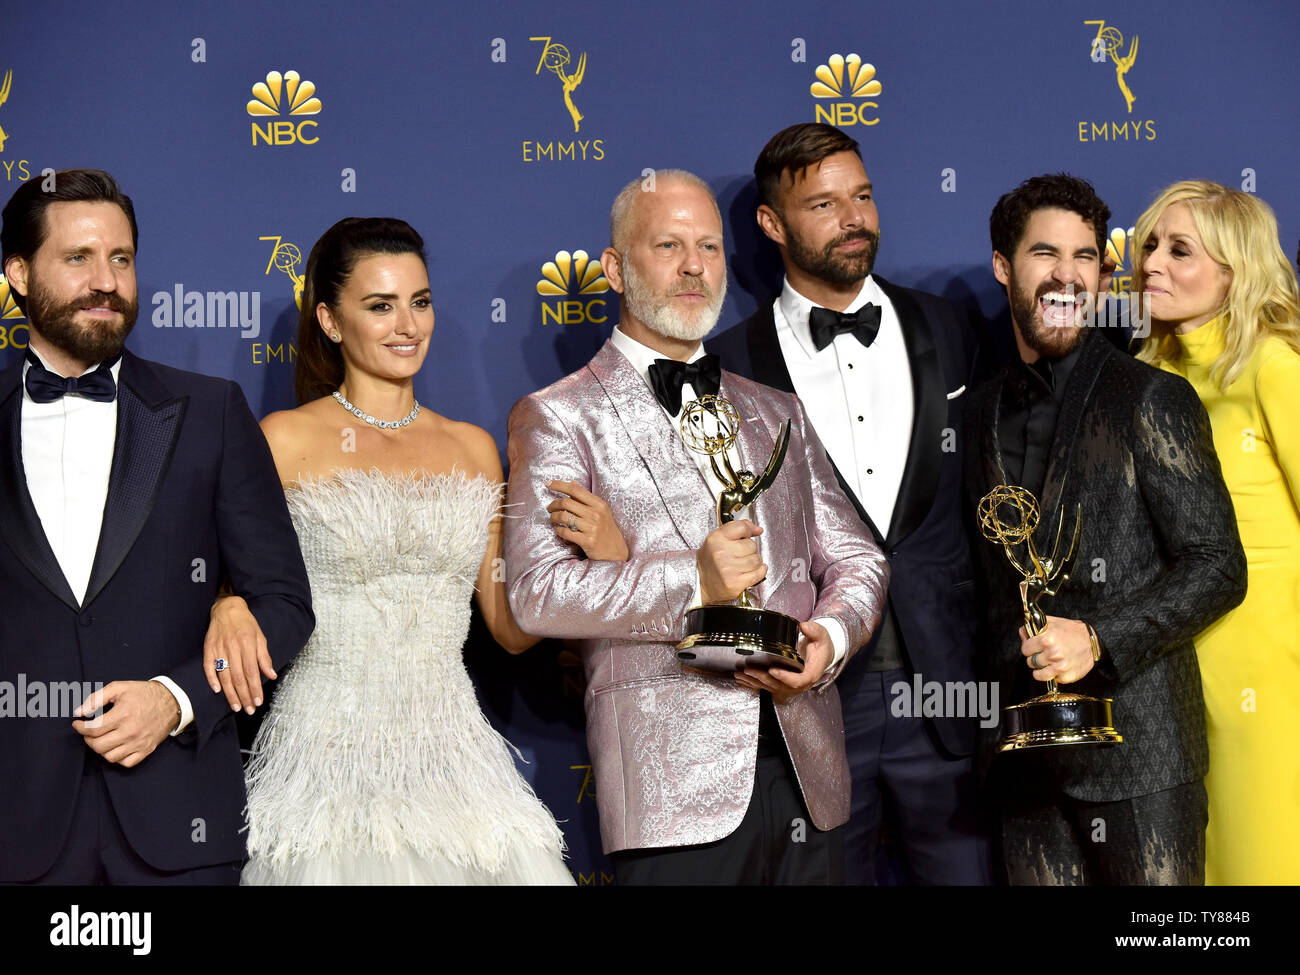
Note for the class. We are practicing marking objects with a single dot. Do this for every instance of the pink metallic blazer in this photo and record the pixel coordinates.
(673, 751)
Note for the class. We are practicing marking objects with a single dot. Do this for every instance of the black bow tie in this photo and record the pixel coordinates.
(826, 324)
(667, 376)
(44, 386)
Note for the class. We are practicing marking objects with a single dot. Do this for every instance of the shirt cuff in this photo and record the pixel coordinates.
(839, 639)
(182, 699)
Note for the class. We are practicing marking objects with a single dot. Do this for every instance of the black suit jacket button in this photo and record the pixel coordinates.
(85, 619)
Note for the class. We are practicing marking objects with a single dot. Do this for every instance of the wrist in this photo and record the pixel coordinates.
(221, 600)
(167, 703)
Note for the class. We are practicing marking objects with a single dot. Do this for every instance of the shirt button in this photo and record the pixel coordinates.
(850, 365)
(859, 418)
(870, 471)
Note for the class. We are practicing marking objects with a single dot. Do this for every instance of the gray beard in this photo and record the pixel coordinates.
(664, 319)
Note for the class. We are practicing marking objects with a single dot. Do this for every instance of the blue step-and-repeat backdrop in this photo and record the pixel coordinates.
(502, 132)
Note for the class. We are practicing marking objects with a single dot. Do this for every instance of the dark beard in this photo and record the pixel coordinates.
(1048, 341)
(826, 265)
(55, 322)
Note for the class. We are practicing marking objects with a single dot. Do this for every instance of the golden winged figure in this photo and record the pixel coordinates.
(4, 97)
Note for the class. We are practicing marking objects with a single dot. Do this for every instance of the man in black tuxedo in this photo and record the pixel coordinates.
(880, 370)
(128, 491)
(1077, 422)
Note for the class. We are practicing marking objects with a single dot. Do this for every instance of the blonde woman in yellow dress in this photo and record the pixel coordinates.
(1226, 316)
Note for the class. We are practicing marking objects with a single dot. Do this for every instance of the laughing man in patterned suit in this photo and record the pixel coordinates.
(700, 778)
(1082, 425)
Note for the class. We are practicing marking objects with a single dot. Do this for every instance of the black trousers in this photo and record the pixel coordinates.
(98, 852)
(776, 843)
(1049, 838)
(942, 829)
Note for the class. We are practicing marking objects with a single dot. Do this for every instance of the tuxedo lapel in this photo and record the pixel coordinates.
(920, 479)
(987, 425)
(765, 358)
(148, 423)
(681, 487)
(769, 368)
(1060, 485)
(21, 525)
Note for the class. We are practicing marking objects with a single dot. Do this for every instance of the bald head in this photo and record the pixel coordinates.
(667, 261)
(623, 214)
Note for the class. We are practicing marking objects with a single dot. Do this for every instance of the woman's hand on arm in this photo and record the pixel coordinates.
(234, 636)
(585, 520)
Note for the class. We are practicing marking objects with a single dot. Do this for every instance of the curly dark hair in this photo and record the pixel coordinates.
(1055, 190)
(794, 149)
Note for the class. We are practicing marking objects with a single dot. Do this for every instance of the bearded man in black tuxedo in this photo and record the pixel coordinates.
(881, 370)
(128, 491)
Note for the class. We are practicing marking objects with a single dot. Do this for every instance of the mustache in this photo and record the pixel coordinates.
(863, 234)
(697, 285)
(95, 299)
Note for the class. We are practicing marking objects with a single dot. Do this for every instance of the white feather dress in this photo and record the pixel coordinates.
(375, 764)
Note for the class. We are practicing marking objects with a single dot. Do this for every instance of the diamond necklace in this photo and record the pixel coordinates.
(362, 415)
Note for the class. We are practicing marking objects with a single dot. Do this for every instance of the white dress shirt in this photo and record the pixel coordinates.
(642, 357)
(859, 399)
(67, 451)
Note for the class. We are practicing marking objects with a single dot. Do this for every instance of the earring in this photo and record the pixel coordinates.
(336, 337)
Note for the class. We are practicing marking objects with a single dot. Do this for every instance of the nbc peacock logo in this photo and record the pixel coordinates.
(571, 282)
(1119, 251)
(284, 94)
(8, 307)
(13, 323)
(846, 87)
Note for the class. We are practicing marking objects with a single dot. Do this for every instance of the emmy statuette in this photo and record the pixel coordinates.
(1055, 718)
(728, 638)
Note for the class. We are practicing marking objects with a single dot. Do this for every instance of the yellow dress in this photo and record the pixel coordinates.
(1250, 658)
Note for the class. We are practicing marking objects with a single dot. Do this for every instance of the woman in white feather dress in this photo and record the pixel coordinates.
(375, 765)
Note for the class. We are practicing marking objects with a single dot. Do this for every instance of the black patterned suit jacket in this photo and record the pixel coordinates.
(1159, 560)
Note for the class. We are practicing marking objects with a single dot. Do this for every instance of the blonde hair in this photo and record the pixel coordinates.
(1238, 231)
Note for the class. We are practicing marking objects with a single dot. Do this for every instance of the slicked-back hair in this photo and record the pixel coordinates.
(793, 150)
(24, 229)
(1059, 191)
(318, 369)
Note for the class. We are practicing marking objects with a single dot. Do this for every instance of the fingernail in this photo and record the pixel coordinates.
(215, 688)
(234, 707)
(248, 710)
(258, 702)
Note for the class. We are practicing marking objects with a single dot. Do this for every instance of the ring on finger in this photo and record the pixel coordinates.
(573, 523)
(220, 664)
(1033, 661)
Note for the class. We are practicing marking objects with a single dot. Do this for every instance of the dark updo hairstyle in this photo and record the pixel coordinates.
(319, 368)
